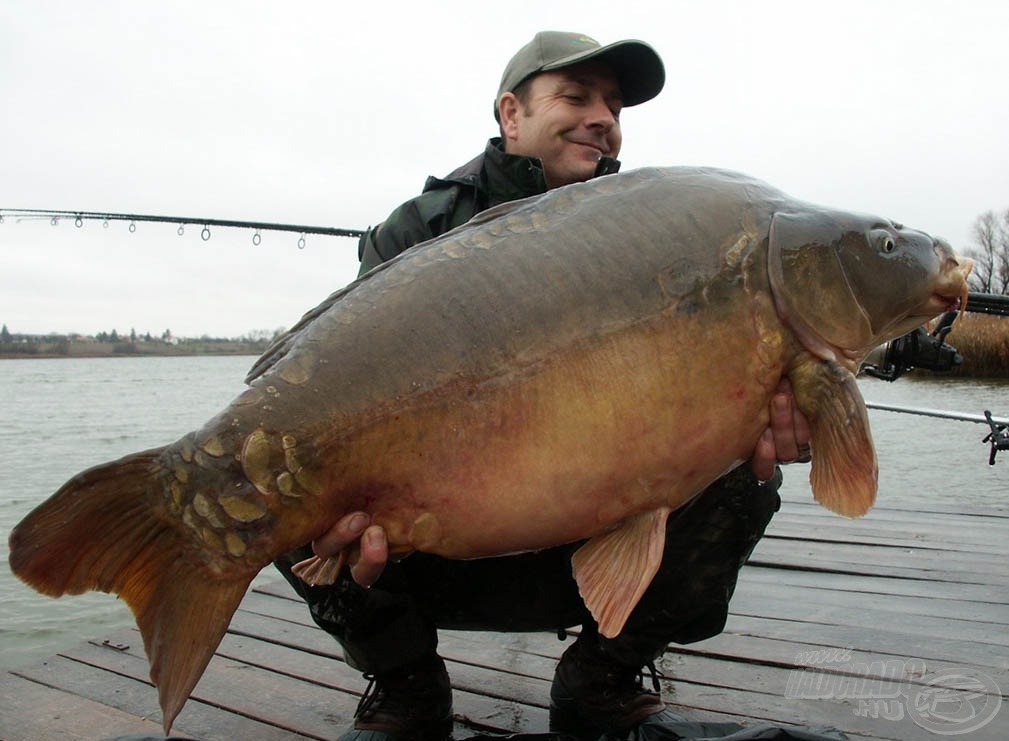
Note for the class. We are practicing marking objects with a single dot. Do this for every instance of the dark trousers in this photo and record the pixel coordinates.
(393, 625)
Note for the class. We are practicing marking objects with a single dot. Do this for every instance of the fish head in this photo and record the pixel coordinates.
(845, 283)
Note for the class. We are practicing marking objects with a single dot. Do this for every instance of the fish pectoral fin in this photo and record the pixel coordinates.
(844, 474)
(613, 570)
(317, 571)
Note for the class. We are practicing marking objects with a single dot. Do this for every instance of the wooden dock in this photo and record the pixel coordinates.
(865, 626)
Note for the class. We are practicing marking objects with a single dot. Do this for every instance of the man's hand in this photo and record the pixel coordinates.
(786, 439)
(369, 548)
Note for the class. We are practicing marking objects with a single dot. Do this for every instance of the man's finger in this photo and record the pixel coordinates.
(782, 426)
(372, 557)
(764, 457)
(345, 532)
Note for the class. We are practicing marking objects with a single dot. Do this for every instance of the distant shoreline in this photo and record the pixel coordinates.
(186, 348)
(56, 356)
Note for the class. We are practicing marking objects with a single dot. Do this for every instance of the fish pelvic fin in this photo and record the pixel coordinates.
(613, 570)
(99, 532)
(844, 475)
(317, 572)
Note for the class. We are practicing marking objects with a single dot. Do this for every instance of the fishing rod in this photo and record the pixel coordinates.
(998, 438)
(80, 217)
(988, 303)
(985, 418)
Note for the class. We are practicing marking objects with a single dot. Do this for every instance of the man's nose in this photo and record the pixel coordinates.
(601, 115)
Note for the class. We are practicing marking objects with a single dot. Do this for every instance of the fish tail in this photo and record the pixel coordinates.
(99, 532)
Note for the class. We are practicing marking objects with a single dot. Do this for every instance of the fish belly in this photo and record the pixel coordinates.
(561, 451)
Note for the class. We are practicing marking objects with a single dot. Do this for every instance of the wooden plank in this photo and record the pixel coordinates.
(872, 561)
(797, 496)
(792, 654)
(30, 711)
(862, 533)
(768, 575)
(945, 526)
(947, 534)
(123, 687)
(894, 555)
(826, 612)
(887, 641)
(749, 595)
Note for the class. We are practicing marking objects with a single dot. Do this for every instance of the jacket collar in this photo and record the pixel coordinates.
(504, 177)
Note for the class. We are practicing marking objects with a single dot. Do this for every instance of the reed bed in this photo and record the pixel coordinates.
(983, 340)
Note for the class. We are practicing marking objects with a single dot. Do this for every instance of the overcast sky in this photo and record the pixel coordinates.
(332, 113)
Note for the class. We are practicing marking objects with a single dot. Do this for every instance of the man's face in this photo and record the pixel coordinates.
(570, 119)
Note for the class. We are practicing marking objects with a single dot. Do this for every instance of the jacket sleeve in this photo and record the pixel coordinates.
(428, 215)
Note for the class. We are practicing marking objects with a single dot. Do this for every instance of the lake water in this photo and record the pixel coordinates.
(63, 415)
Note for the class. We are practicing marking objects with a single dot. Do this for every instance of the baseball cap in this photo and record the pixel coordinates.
(638, 67)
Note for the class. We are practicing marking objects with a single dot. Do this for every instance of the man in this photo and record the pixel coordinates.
(558, 107)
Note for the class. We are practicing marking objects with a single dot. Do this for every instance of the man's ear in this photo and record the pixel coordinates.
(508, 111)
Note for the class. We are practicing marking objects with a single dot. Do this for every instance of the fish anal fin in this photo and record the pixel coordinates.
(182, 628)
(100, 532)
(614, 569)
(844, 474)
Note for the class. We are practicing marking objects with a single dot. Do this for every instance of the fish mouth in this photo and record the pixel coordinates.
(939, 303)
(951, 293)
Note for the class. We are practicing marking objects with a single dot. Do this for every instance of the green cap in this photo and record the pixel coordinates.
(638, 67)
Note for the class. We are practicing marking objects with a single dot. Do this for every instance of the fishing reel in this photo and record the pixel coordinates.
(916, 349)
(998, 437)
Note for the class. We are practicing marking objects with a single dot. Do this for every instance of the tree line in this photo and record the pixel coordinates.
(990, 251)
(15, 343)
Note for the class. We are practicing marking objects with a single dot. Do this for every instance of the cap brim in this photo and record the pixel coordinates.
(638, 67)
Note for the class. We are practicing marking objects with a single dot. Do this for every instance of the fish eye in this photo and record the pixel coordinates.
(883, 238)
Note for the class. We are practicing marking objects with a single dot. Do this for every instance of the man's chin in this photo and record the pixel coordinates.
(578, 173)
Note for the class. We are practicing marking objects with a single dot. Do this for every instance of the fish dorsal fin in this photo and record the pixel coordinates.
(614, 569)
(844, 474)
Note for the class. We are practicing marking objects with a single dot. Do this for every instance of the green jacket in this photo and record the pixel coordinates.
(491, 178)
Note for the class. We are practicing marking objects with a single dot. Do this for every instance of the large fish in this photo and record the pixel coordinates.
(568, 367)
